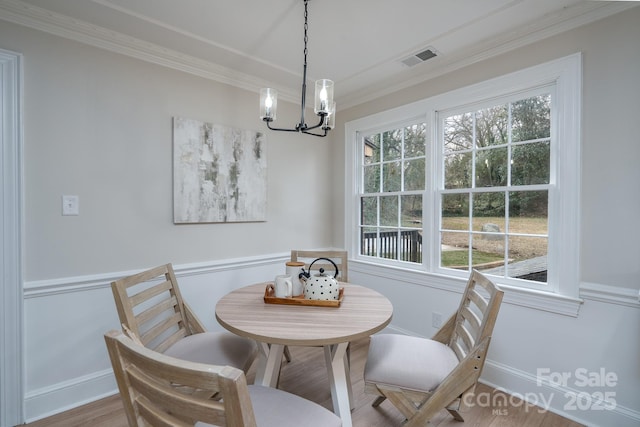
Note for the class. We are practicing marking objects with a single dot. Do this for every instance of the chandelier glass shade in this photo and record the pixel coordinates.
(324, 106)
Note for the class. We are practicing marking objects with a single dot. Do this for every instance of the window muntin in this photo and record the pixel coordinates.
(563, 79)
(493, 197)
(393, 166)
(495, 194)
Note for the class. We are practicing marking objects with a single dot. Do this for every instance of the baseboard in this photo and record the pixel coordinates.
(74, 391)
(70, 394)
(538, 394)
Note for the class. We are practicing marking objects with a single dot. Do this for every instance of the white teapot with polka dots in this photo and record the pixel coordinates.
(321, 286)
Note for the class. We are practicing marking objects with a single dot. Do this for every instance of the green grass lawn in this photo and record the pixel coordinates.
(461, 258)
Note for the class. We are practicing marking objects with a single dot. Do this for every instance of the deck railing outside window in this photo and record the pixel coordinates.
(403, 245)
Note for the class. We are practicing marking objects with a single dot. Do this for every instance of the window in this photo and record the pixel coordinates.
(494, 195)
(483, 177)
(393, 166)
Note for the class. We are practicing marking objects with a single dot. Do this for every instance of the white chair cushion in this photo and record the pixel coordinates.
(214, 348)
(408, 362)
(277, 408)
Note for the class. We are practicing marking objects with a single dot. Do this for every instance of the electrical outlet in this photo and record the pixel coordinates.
(70, 205)
(436, 319)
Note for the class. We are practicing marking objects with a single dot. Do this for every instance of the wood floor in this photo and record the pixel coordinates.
(305, 375)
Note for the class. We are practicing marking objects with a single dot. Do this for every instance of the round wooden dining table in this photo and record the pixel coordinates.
(361, 313)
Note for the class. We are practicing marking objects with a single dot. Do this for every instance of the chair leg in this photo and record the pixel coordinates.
(349, 355)
(455, 414)
(378, 401)
(457, 405)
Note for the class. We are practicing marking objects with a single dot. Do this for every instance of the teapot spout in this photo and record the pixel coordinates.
(304, 275)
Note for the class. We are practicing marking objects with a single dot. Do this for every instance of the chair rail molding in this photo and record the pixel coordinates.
(11, 303)
(610, 294)
(84, 378)
(49, 287)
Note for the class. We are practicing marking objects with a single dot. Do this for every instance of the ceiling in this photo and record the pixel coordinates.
(360, 44)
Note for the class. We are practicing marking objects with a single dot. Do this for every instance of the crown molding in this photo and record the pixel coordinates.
(554, 24)
(21, 13)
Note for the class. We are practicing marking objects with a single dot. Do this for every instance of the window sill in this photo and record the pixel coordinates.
(538, 300)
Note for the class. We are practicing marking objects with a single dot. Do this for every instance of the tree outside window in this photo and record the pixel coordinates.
(484, 177)
(494, 200)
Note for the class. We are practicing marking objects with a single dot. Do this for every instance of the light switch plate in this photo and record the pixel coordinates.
(70, 205)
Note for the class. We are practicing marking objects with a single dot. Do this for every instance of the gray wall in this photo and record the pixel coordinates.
(604, 333)
(98, 124)
(610, 135)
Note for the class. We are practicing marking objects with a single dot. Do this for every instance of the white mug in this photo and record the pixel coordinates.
(294, 268)
(283, 286)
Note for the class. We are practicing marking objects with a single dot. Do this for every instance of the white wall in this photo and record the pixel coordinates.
(605, 334)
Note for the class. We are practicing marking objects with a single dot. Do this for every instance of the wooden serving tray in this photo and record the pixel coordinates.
(270, 298)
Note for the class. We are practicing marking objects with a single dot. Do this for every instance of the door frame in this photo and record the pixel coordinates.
(12, 230)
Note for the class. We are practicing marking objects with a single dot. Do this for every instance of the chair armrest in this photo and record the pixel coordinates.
(444, 333)
(194, 323)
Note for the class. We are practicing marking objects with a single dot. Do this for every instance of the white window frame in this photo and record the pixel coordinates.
(407, 122)
(564, 76)
(552, 280)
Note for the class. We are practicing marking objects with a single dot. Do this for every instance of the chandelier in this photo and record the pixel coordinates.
(324, 106)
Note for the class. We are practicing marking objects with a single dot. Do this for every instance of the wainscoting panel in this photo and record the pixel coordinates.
(67, 364)
(65, 319)
(578, 358)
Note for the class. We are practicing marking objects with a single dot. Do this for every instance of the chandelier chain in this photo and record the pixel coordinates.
(268, 115)
(306, 29)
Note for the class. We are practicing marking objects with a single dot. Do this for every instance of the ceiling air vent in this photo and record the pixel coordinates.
(420, 57)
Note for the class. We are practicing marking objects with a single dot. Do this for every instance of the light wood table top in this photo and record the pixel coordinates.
(362, 313)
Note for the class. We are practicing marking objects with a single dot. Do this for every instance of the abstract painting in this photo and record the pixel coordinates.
(219, 173)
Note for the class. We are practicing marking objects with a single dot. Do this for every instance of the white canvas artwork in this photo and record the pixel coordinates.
(219, 173)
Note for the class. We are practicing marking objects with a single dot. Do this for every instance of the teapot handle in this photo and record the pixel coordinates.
(322, 270)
